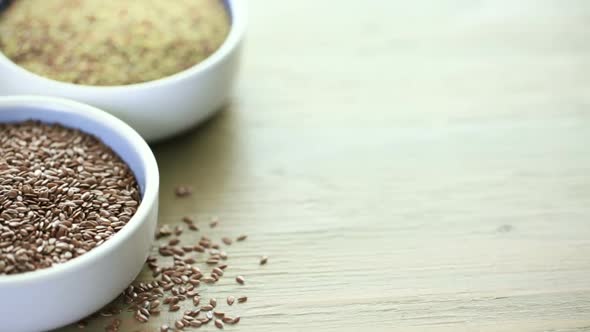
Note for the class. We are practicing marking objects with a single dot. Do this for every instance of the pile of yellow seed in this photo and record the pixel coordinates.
(111, 42)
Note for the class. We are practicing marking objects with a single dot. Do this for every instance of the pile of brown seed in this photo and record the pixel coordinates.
(62, 194)
(111, 42)
(178, 273)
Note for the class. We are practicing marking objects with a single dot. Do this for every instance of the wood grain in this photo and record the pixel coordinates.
(407, 166)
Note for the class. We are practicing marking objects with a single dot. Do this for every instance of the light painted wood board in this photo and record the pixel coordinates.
(407, 165)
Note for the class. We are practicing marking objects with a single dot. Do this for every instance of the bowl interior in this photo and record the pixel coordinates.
(54, 113)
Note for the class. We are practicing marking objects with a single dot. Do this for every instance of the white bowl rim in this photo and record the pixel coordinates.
(149, 198)
(238, 15)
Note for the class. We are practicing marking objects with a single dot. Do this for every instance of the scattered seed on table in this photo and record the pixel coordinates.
(242, 237)
(163, 231)
(196, 323)
(193, 313)
(183, 191)
(187, 220)
(180, 279)
(218, 323)
(111, 329)
(240, 280)
(178, 230)
(141, 317)
(212, 261)
(213, 224)
(218, 271)
(226, 241)
(165, 251)
(263, 260)
(144, 312)
(231, 320)
(164, 328)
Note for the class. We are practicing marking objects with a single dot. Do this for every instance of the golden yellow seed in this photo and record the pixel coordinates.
(86, 44)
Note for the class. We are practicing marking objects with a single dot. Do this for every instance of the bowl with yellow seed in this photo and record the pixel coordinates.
(160, 66)
(78, 210)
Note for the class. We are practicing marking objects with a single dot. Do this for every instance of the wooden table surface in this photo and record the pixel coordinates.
(406, 166)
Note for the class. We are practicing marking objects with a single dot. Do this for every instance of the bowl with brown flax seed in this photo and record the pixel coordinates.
(78, 210)
(160, 66)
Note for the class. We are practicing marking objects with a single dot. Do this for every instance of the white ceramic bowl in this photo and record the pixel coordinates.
(156, 109)
(62, 294)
